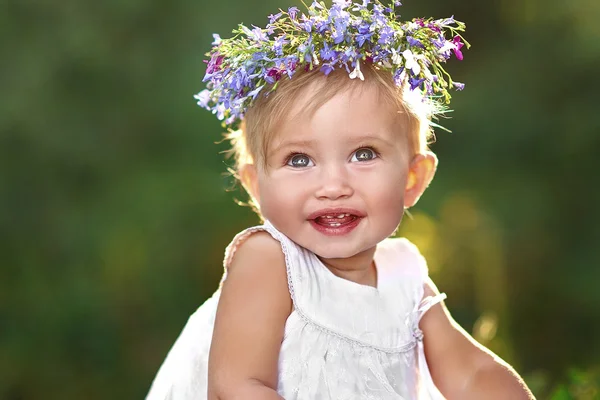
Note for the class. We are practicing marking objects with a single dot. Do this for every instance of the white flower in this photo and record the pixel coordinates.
(448, 45)
(396, 58)
(203, 98)
(411, 62)
(412, 26)
(315, 58)
(357, 73)
(428, 74)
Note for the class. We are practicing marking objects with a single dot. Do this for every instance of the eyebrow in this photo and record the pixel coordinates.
(357, 140)
(291, 143)
(366, 138)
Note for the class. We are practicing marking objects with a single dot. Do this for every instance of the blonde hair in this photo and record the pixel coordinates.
(250, 143)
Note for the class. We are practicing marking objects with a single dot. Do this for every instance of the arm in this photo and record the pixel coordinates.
(462, 368)
(249, 324)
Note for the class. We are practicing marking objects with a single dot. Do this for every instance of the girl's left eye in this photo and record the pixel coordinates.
(364, 154)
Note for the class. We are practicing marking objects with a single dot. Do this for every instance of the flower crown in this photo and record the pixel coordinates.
(254, 60)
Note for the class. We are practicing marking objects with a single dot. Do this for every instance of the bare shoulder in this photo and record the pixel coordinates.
(258, 270)
(249, 326)
(259, 250)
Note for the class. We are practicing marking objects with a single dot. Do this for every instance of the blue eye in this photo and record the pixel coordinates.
(299, 161)
(364, 154)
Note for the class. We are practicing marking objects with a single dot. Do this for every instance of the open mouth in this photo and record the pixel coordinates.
(335, 221)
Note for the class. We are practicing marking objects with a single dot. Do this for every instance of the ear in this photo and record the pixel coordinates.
(248, 177)
(420, 173)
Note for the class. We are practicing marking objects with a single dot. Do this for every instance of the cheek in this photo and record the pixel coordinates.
(277, 196)
(386, 189)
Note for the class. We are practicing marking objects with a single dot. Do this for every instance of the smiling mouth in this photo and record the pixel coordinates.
(335, 220)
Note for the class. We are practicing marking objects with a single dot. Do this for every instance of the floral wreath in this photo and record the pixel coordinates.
(254, 60)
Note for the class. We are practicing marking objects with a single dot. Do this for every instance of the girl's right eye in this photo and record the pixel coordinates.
(299, 161)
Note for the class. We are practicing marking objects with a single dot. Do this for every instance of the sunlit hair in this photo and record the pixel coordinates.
(249, 145)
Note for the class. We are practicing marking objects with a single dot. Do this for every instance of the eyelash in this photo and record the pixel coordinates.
(296, 153)
(373, 149)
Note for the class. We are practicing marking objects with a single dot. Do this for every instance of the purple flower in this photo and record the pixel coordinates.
(364, 33)
(273, 18)
(292, 12)
(342, 4)
(428, 87)
(377, 15)
(415, 82)
(439, 41)
(240, 79)
(214, 65)
(449, 21)
(260, 56)
(321, 26)
(255, 92)
(327, 53)
(434, 27)
(259, 35)
(361, 39)
(307, 49)
(307, 25)
(364, 28)
(458, 86)
(327, 69)
(399, 76)
(350, 55)
(339, 16)
(278, 45)
(414, 42)
(380, 54)
(291, 63)
(338, 35)
(397, 3)
(273, 75)
(386, 35)
(458, 45)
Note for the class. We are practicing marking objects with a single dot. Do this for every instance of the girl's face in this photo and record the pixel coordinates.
(335, 182)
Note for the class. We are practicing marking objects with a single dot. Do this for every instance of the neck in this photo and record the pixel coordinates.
(359, 268)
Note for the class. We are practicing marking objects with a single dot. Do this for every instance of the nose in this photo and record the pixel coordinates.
(334, 184)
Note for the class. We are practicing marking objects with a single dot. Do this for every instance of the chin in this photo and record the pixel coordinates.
(331, 252)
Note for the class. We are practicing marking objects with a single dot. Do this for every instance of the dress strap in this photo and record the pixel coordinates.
(427, 388)
(427, 303)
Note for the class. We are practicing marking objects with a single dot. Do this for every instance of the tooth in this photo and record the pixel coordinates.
(329, 216)
(335, 224)
(341, 215)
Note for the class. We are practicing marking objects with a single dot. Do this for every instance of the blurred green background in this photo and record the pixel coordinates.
(115, 209)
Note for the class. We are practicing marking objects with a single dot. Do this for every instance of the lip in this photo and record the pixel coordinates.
(336, 230)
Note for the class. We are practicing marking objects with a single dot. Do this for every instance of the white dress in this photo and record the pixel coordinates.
(343, 340)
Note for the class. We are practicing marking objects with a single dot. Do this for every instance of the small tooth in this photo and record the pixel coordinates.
(341, 215)
(336, 224)
(329, 216)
